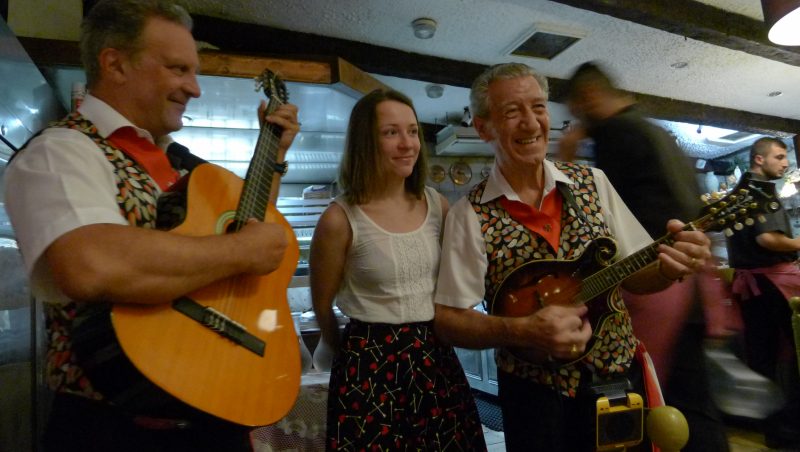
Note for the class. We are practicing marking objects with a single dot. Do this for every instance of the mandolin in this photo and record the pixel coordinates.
(590, 278)
(229, 349)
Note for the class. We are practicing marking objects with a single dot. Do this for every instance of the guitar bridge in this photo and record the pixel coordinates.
(220, 324)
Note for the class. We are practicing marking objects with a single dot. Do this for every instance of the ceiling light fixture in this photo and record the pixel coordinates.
(783, 19)
(775, 94)
(424, 28)
(679, 64)
(434, 91)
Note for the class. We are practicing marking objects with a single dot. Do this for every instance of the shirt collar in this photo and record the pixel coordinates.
(107, 120)
(498, 186)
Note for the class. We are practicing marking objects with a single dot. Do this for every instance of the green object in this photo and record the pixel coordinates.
(794, 302)
(667, 428)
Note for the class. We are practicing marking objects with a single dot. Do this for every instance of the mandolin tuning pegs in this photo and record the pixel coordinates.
(727, 232)
(738, 226)
(761, 219)
(749, 222)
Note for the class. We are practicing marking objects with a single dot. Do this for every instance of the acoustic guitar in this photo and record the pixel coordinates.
(229, 349)
(590, 278)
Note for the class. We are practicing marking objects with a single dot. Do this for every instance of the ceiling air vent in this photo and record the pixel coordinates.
(544, 42)
(461, 141)
(733, 138)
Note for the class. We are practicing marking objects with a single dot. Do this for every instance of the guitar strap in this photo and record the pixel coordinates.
(181, 158)
(569, 198)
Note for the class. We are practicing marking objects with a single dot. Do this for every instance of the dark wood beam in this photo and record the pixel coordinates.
(327, 70)
(238, 37)
(696, 113)
(695, 20)
(249, 38)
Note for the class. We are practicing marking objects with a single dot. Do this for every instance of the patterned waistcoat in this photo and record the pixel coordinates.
(137, 194)
(509, 244)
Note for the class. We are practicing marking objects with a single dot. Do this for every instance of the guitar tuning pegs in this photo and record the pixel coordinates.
(749, 222)
(761, 219)
(727, 232)
(738, 226)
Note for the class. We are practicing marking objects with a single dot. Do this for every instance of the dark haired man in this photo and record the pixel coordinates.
(657, 182)
(766, 276)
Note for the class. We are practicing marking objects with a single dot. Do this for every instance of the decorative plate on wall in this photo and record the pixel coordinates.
(460, 173)
(437, 174)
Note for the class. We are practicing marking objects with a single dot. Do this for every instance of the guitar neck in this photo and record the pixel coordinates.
(619, 271)
(258, 183)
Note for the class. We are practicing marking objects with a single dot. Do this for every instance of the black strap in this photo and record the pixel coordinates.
(8, 143)
(181, 158)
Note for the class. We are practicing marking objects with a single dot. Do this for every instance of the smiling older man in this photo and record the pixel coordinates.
(530, 209)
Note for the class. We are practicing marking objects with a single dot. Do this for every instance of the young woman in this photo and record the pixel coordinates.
(376, 251)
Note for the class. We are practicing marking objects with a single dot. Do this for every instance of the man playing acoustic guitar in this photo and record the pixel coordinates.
(81, 197)
(529, 209)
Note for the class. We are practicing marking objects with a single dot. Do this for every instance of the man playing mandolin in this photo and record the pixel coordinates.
(551, 354)
(81, 197)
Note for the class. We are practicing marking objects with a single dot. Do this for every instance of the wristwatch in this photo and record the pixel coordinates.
(281, 168)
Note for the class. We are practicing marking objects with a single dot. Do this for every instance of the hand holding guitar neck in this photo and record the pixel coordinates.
(283, 117)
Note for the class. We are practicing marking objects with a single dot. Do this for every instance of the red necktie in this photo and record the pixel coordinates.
(545, 222)
(146, 154)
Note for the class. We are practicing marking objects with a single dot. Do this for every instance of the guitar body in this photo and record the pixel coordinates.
(195, 363)
(540, 283)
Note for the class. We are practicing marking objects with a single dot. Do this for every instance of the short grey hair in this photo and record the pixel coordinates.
(119, 24)
(478, 96)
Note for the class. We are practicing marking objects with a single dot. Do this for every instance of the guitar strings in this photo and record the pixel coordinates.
(255, 199)
(599, 282)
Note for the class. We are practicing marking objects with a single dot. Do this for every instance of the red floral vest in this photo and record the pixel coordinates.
(510, 244)
(137, 196)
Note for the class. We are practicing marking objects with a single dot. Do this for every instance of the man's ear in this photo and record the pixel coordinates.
(482, 126)
(114, 65)
(758, 159)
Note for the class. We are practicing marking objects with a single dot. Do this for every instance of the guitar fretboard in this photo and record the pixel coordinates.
(258, 183)
(614, 274)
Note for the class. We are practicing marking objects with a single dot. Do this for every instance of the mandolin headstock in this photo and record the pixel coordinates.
(742, 206)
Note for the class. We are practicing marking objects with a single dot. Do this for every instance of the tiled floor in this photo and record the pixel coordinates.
(740, 440)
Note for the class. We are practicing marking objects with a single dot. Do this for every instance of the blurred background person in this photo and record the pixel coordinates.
(657, 182)
(766, 276)
(376, 251)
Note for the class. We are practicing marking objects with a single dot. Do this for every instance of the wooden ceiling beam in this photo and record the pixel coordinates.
(328, 70)
(238, 37)
(695, 20)
(352, 59)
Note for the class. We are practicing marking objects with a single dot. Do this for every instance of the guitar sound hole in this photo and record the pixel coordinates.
(234, 226)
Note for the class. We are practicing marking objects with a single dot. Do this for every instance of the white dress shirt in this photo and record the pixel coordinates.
(60, 182)
(464, 263)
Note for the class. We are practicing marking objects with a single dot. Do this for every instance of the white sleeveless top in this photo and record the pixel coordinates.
(391, 277)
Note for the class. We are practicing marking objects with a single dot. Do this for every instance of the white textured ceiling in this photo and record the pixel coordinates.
(483, 31)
